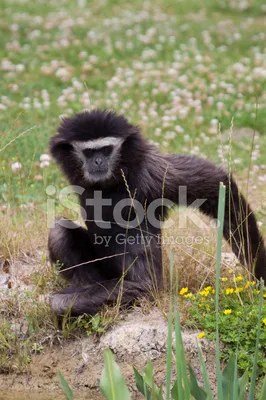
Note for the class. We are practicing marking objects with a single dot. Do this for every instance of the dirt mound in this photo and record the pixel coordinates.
(133, 340)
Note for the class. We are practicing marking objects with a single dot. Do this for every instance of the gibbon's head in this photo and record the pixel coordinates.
(93, 146)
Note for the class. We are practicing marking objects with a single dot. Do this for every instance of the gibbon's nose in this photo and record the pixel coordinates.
(98, 161)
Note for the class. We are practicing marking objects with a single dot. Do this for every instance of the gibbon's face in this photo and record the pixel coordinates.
(98, 157)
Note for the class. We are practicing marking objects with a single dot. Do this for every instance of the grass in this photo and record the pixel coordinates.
(177, 69)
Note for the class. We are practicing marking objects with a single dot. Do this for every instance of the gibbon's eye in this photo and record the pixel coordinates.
(88, 152)
(107, 150)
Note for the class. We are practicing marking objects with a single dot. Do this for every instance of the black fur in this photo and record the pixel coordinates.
(147, 173)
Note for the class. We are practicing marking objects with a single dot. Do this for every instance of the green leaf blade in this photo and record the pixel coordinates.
(197, 392)
(65, 387)
(112, 383)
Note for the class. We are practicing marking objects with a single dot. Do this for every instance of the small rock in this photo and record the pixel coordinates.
(229, 259)
(4, 279)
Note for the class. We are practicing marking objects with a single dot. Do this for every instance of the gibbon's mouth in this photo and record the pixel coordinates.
(98, 175)
(98, 172)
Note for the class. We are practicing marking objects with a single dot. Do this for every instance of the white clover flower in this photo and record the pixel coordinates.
(239, 67)
(46, 70)
(183, 113)
(45, 95)
(64, 43)
(93, 59)
(214, 122)
(262, 178)
(199, 119)
(20, 67)
(259, 73)
(45, 157)
(179, 129)
(63, 73)
(14, 27)
(44, 164)
(77, 85)
(220, 106)
(210, 100)
(37, 104)
(16, 167)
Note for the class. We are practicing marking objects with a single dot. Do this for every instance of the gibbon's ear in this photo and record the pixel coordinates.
(59, 146)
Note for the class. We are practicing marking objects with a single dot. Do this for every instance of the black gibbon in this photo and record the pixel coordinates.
(115, 168)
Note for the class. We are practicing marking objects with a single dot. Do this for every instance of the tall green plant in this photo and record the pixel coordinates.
(221, 207)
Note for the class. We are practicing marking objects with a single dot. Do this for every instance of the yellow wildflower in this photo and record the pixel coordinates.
(206, 291)
(239, 278)
(264, 295)
(264, 321)
(238, 290)
(188, 295)
(256, 291)
(201, 335)
(228, 311)
(224, 279)
(229, 291)
(183, 291)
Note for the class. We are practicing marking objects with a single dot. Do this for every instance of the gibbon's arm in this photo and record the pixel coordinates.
(202, 179)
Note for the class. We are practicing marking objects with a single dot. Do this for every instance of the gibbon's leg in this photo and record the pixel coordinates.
(89, 299)
(71, 246)
(201, 178)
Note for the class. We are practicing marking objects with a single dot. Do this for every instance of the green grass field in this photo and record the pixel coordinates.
(185, 71)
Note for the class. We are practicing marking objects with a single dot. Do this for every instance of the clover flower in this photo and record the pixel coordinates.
(16, 166)
(45, 157)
